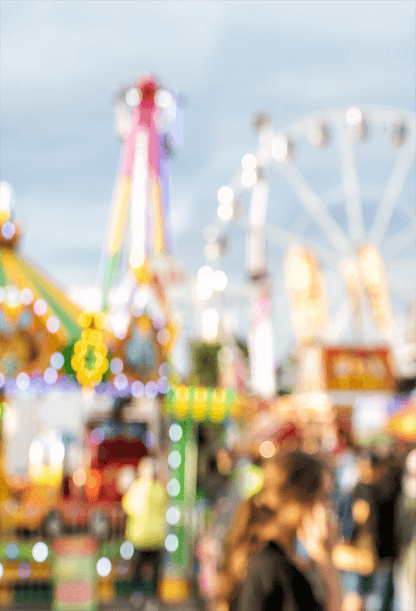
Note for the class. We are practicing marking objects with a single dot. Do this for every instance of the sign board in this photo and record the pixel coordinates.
(358, 369)
(345, 368)
(75, 574)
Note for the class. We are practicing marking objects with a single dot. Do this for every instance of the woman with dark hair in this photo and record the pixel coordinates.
(259, 571)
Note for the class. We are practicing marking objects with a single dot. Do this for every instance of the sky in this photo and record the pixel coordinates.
(61, 60)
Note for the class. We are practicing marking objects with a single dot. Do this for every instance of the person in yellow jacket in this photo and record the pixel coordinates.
(145, 505)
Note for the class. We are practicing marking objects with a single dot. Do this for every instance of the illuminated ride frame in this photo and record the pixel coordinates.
(188, 406)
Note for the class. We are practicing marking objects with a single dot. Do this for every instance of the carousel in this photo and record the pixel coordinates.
(38, 323)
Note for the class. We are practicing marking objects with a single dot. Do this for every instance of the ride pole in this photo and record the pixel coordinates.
(262, 374)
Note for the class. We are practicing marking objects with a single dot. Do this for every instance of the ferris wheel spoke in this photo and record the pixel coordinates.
(314, 205)
(392, 193)
(286, 238)
(399, 241)
(351, 185)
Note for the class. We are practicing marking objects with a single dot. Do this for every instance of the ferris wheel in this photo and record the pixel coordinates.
(329, 230)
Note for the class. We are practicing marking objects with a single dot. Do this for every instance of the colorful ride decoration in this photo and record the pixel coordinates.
(89, 360)
(142, 186)
(187, 407)
(147, 122)
(37, 321)
(202, 404)
(142, 356)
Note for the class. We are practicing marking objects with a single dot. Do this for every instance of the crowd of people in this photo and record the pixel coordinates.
(322, 532)
(325, 533)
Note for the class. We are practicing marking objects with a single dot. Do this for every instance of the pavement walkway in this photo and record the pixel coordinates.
(116, 606)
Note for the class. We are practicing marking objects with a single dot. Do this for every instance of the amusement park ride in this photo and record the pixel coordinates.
(339, 248)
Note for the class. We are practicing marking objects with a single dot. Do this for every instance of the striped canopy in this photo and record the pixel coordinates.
(36, 318)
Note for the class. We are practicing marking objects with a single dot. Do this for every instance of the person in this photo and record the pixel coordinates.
(406, 567)
(374, 512)
(145, 505)
(258, 571)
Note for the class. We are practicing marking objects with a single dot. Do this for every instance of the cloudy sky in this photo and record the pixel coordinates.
(62, 59)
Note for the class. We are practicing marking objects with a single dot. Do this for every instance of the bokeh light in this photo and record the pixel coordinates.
(50, 376)
(267, 449)
(173, 515)
(137, 389)
(40, 551)
(173, 487)
(116, 365)
(163, 385)
(57, 360)
(53, 324)
(104, 566)
(22, 381)
(133, 97)
(40, 307)
(26, 296)
(24, 570)
(249, 162)
(174, 459)
(225, 195)
(79, 477)
(171, 543)
(354, 116)
(225, 211)
(220, 280)
(248, 178)
(120, 381)
(12, 551)
(150, 390)
(8, 230)
(127, 550)
(163, 98)
(175, 432)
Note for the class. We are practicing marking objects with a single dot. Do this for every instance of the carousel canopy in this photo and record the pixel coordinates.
(36, 319)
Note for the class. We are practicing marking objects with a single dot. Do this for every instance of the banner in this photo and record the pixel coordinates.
(75, 574)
